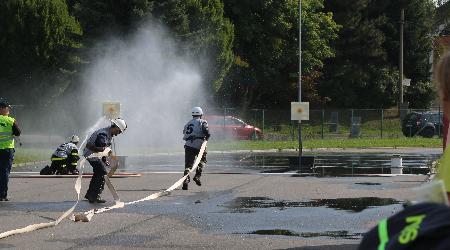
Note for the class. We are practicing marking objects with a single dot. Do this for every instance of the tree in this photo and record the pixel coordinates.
(365, 70)
(38, 41)
(358, 75)
(204, 32)
(418, 44)
(102, 17)
(198, 26)
(266, 48)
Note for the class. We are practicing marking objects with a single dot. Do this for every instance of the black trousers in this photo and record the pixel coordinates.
(6, 161)
(190, 154)
(63, 166)
(97, 183)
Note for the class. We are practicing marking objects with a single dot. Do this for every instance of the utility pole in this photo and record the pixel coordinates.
(300, 145)
(402, 22)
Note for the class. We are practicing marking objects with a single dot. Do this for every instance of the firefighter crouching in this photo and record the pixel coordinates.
(64, 159)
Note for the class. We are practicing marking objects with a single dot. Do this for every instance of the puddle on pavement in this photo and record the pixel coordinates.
(336, 164)
(356, 205)
(345, 164)
(356, 163)
(325, 164)
(368, 183)
(332, 234)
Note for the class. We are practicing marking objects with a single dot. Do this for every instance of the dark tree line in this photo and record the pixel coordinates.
(350, 47)
(365, 71)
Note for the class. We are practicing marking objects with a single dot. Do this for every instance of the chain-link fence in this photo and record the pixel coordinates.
(276, 125)
(267, 124)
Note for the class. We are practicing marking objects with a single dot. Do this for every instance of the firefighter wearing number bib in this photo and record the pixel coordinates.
(195, 133)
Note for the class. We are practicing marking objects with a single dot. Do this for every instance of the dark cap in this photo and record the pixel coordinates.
(4, 103)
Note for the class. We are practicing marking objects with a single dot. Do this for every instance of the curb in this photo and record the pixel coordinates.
(32, 163)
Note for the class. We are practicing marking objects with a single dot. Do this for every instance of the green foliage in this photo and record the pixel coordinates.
(38, 40)
(103, 17)
(418, 43)
(24, 155)
(331, 143)
(359, 71)
(199, 26)
(248, 50)
(365, 69)
(267, 48)
(318, 30)
(204, 32)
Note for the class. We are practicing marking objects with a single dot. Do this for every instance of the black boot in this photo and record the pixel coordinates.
(197, 179)
(74, 171)
(47, 171)
(99, 200)
(198, 173)
(185, 183)
(89, 198)
(94, 199)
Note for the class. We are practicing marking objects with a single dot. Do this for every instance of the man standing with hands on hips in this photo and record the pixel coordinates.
(8, 129)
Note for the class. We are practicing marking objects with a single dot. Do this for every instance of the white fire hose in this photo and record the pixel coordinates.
(87, 216)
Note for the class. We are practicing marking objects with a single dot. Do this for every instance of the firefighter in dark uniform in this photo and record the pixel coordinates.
(195, 132)
(100, 141)
(64, 159)
(8, 129)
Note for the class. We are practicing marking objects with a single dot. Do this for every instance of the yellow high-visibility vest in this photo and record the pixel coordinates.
(443, 171)
(6, 132)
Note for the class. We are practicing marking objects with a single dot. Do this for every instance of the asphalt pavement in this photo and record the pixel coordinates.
(237, 207)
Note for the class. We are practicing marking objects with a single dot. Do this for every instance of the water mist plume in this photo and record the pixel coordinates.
(154, 82)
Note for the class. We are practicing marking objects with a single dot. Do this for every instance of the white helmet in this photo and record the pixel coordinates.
(74, 139)
(120, 123)
(197, 111)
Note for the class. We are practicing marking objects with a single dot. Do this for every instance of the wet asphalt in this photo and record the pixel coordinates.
(241, 205)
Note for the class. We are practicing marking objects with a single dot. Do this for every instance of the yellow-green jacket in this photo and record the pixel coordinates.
(6, 132)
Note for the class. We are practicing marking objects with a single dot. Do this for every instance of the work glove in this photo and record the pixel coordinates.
(106, 152)
(105, 160)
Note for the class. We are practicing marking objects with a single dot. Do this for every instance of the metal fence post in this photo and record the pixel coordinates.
(323, 118)
(351, 121)
(382, 118)
(224, 118)
(263, 121)
(439, 120)
(292, 131)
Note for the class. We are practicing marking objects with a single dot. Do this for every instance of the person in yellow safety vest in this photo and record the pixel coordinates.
(8, 129)
(64, 159)
(442, 76)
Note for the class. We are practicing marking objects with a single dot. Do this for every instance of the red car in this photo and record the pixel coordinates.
(231, 127)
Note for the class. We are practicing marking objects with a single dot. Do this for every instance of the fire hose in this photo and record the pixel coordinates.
(87, 216)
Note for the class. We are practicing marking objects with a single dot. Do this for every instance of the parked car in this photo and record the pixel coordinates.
(222, 127)
(426, 124)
